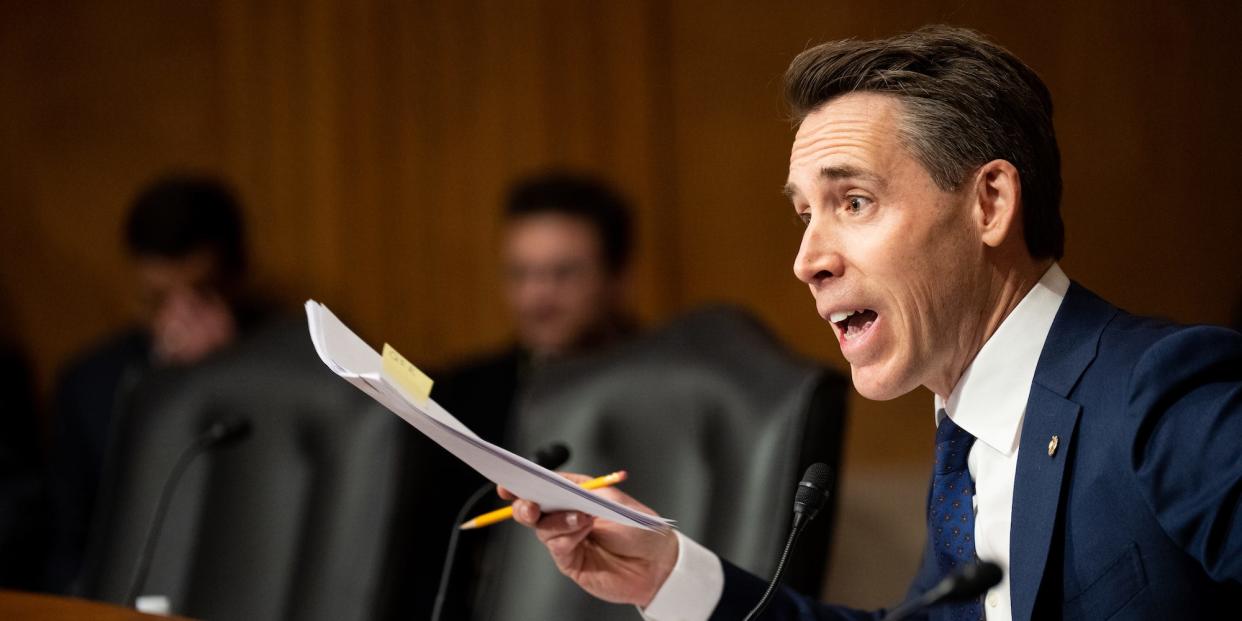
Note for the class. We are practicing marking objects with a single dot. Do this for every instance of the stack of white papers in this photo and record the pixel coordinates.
(352, 359)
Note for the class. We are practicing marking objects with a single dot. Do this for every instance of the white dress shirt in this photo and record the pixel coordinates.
(989, 402)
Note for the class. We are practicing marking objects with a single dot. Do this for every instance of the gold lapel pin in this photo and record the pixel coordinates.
(1052, 445)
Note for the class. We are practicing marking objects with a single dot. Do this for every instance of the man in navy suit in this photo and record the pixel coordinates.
(1094, 455)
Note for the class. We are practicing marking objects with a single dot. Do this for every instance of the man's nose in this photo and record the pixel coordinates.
(818, 257)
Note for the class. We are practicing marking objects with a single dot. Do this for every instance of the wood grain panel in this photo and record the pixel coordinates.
(373, 140)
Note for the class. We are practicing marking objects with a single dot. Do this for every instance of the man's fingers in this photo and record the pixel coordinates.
(551, 525)
(526, 513)
(504, 493)
(562, 533)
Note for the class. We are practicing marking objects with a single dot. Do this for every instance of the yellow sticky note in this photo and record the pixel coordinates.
(405, 374)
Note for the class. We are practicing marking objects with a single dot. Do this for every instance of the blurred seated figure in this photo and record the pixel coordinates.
(184, 235)
(565, 255)
(20, 462)
(290, 518)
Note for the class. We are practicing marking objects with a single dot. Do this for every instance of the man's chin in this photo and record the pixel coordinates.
(547, 343)
(874, 385)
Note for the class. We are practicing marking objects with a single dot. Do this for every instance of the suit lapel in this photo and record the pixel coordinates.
(1037, 492)
(1043, 464)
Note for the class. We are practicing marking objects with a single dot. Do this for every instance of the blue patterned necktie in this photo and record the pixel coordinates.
(950, 511)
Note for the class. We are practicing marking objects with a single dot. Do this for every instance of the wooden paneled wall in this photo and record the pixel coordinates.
(373, 139)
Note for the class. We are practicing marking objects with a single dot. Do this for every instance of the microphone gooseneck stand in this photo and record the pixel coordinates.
(811, 495)
(217, 434)
(550, 457)
(967, 582)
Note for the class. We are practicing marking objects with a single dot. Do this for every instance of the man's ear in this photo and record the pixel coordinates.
(998, 202)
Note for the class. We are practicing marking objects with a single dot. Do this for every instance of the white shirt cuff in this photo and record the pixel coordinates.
(692, 590)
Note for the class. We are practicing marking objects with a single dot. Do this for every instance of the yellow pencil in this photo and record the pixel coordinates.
(505, 513)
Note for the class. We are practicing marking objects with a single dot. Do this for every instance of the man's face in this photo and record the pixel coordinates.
(883, 239)
(186, 313)
(556, 282)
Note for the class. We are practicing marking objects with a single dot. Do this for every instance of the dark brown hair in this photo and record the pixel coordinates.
(180, 214)
(966, 101)
(583, 197)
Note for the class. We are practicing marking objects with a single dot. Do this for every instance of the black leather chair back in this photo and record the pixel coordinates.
(714, 420)
(290, 523)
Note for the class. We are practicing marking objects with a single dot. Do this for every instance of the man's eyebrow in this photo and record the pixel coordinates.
(836, 173)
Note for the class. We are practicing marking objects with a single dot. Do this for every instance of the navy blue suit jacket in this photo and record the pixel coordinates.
(1138, 512)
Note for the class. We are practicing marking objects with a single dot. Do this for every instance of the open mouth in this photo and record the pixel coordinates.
(853, 323)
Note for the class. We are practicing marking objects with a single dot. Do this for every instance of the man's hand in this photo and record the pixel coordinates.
(615, 563)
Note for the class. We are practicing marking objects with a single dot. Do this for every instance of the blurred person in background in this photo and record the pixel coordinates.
(185, 239)
(565, 255)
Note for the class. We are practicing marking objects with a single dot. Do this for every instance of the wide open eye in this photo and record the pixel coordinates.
(856, 204)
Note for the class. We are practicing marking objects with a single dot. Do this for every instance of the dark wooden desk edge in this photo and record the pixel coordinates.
(22, 606)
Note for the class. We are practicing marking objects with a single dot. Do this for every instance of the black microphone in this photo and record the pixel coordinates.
(965, 583)
(218, 433)
(808, 500)
(550, 456)
(812, 493)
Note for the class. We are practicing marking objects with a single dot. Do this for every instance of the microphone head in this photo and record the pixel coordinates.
(973, 580)
(552, 456)
(813, 490)
(226, 431)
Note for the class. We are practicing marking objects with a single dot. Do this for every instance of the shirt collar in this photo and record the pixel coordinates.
(989, 400)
